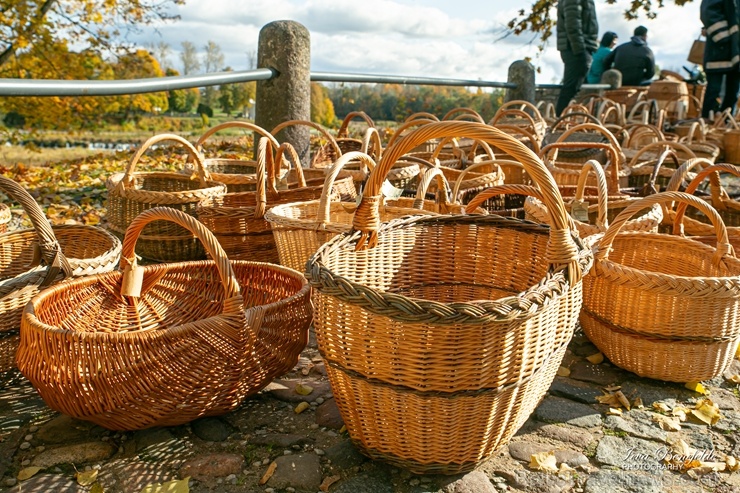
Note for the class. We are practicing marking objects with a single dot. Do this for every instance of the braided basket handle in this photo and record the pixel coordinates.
(234, 124)
(284, 149)
(562, 250)
(48, 249)
(443, 187)
(322, 130)
(421, 115)
(534, 141)
(458, 183)
(462, 114)
(718, 194)
(521, 104)
(344, 129)
(128, 177)
(724, 248)
(322, 215)
(679, 175)
(410, 123)
(211, 244)
(593, 166)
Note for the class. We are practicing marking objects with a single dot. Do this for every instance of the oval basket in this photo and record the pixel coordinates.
(441, 334)
(100, 348)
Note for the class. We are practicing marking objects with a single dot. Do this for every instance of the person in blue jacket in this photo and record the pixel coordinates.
(720, 19)
(608, 41)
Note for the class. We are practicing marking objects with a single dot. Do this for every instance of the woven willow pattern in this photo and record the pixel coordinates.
(467, 315)
(198, 338)
(664, 289)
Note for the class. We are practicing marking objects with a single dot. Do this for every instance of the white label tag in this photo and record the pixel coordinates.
(389, 191)
(579, 210)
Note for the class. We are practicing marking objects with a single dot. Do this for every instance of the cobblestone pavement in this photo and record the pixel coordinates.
(597, 447)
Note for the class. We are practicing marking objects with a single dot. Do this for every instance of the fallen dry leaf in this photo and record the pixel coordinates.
(668, 424)
(623, 400)
(563, 371)
(609, 399)
(97, 488)
(268, 474)
(28, 473)
(544, 461)
(707, 412)
(732, 463)
(328, 481)
(638, 403)
(705, 468)
(303, 389)
(302, 406)
(680, 413)
(661, 407)
(86, 478)
(614, 411)
(176, 486)
(613, 388)
(697, 387)
(595, 359)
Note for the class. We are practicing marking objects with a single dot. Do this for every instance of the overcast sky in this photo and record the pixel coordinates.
(434, 38)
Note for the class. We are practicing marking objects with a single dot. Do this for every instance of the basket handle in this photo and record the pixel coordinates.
(473, 167)
(680, 174)
(274, 169)
(521, 104)
(366, 161)
(371, 144)
(724, 248)
(636, 129)
(718, 193)
(212, 246)
(291, 123)
(47, 249)
(697, 126)
(128, 177)
(344, 129)
(613, 184)
(562, 249)
(234, 124)
(421, 115)
(513, 112)
(594, 166)
(463, 114)
(425, 180)
(409, 124)
(660, 145)
(565, 119)
(517, 129)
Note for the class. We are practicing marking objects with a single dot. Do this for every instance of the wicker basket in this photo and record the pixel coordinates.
(5, 217)
(132, 192)
(32, 259)
(326, 154)
(664, 306)
(300, 228)
(592, 207)
(188, 339)
(438, 346)
(656, 155)
(522, 114)
(237, 174)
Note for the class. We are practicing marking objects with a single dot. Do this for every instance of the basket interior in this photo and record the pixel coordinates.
(165, 182)
(185, 292)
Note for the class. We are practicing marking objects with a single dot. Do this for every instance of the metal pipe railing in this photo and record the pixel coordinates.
(394, 79)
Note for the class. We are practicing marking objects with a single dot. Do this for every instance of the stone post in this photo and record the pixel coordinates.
(612, 77)
(285, 46)
(521, 73)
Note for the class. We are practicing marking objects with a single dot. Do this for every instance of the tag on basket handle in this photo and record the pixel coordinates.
(133, 278)
(579, 210)
(389, 191)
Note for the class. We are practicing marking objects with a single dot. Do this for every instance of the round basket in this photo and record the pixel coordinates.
(300, 228)
(655, 155)
(32, 259)
(99, 348)
(132, 192)
(457, 321)
(665, 289)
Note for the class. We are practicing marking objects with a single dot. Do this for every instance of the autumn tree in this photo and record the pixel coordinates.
(322, 109)
(213, 61)
(235, 96)
(181, 100)
(31, 26)
(539, 18)
(140, 65)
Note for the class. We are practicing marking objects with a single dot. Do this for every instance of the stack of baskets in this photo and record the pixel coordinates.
(437, 343)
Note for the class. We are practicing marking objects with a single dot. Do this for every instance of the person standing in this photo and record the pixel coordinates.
(634, 59)
(721, 54)
(577, 36)
(608, 41)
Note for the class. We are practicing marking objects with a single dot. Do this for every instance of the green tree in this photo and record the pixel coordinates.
(189, 58)
(181, 100)
(140, 65)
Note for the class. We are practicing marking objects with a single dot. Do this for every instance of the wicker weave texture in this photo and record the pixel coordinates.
(200, 337)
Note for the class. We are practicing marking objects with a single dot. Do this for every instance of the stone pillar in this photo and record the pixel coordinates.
(285, 46)
(521, 73)
(612, 77)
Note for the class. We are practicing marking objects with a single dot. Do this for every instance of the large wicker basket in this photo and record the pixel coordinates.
(663, 306)
(132, 192)
(300, 228)
(438, 343)
(163, 344)
(32, 259)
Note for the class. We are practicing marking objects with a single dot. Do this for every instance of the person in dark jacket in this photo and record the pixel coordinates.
(578, 35)
(721, 53)
(634, 59)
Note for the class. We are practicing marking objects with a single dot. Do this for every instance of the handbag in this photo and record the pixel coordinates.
(696, 53)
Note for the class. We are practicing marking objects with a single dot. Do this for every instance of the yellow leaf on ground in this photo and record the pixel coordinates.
(610, 400)
(268, 474)
(97, 488)
(303, 389)
(680, 413)
(595, 359)
(697, 387)
(28, 472)
(302, 406)
(86, 478)
(732, 463)
(614, 411)
(707, 412)
(544, 461)
(661, 407)
(176, 486)
(563, 371)
(668, 424)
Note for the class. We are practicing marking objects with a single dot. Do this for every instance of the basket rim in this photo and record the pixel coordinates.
(251, 313)
(213, 188)
(522, 306)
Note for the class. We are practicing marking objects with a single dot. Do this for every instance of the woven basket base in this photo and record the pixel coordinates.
(434, 432)
(671, 360)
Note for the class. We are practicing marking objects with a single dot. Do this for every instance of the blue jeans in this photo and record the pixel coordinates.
(574, 74)
(714, 87)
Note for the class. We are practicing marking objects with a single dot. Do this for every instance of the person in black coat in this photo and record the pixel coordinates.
(578, 38)
(634, 59)
(721, 53)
